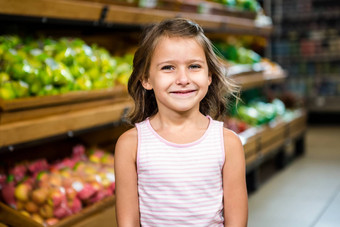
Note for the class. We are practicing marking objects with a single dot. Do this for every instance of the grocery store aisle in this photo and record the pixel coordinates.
(307, 192)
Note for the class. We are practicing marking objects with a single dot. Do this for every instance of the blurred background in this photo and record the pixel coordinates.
(64, 67)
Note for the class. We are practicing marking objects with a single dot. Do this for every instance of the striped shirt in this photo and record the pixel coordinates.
(180, 184)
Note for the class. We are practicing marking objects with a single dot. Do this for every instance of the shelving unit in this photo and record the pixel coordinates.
(100, 214)
(97, 12)
(268, 140)
(47, 117)
(306, 42)
(251, 80)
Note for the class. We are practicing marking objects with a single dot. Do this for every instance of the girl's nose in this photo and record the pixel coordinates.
(182, 77)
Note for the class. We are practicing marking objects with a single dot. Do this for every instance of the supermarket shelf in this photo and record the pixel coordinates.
(38, 128)
(324, 104)
(69, 10)
(116, 14)
(130, 15)
(265, 141)
(251, 80)
(99, 214)
(331, 14)
(321, 57)
(61, 99)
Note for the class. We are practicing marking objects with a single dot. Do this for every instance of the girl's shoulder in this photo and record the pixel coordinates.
(127, 142)
(129, 136)
(230, 134)
(232, 141)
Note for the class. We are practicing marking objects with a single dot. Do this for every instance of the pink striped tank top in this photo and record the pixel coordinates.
(180, 184)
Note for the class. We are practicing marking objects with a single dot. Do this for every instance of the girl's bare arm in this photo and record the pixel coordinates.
(127, 209)
(234, 182)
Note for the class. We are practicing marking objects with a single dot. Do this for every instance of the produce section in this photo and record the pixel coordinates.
(50, 67)
(70, 111)
(49, 192)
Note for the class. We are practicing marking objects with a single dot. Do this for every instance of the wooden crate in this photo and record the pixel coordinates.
(250, 139)
(100, 214)
(273, 136)
(203, 7)
(38, 107)
(298, 125)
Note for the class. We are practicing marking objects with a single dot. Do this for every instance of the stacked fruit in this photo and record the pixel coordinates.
(235, 124)
(243, 5)
(237, 54)
(49, 192)
(46, 67)
(260, 112)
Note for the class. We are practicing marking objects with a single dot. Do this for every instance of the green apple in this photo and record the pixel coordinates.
(4, 77)
(83, 83)
(6, 91)
(76, 70)
(20, 88)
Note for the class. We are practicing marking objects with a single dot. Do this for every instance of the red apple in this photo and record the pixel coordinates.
(38, 166)
(61, 212)
(8, 194)
(75, 205)
(86, 192)
(19, 172)
(56, 197)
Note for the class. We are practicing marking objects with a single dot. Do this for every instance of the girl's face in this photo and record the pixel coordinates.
(178, 74)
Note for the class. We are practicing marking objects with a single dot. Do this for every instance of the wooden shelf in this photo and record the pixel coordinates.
(38, 128)
(118, 91)
(257, 79)
(125, 15)
(261, 141)
(61, 9)
(324, 104)
(101, 213)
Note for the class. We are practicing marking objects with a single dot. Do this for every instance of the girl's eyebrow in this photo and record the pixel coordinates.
(174, 61)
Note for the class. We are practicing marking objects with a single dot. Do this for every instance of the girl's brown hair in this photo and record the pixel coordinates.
(216, 99)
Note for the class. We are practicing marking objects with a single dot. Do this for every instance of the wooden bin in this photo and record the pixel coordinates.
(273, 136)
(37, 107)
(250, 139)
(206, 7)
(298, 125)
(100, 214)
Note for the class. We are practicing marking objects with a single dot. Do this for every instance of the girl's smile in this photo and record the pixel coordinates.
(183, 93)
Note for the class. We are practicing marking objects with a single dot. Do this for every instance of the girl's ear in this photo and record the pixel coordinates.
(210, 78)
(146, 84)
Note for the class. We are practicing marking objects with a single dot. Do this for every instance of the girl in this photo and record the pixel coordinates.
(178, 166)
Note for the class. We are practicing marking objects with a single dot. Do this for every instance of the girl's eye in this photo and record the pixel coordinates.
(195, 66)
(167, 67)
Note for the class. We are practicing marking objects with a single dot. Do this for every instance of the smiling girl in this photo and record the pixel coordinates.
(178, 166)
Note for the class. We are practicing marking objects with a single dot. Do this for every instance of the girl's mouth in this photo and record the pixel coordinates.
(184, 93)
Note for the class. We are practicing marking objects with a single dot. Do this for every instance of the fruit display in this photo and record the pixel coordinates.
(235, 124)
(259, 112)
(49, 192)
(243, 5)
(37, 67)
(237, 54)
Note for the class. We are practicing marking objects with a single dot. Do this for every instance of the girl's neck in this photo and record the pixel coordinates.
(180, 129)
